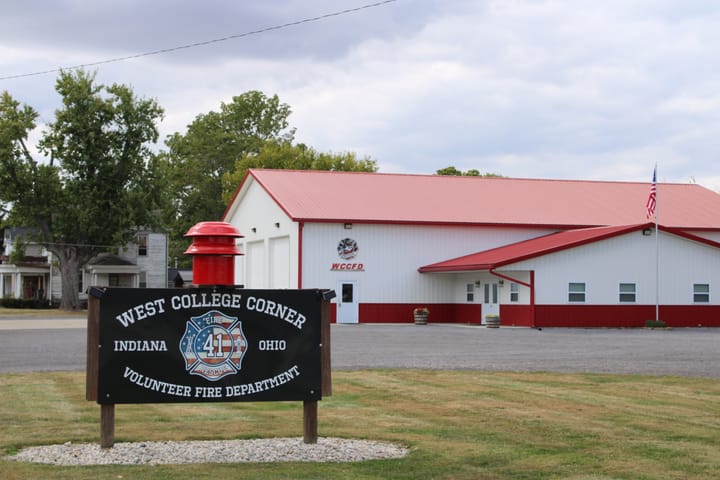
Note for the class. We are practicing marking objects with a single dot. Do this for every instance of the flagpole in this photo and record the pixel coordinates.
(657, 252)
(651, 210)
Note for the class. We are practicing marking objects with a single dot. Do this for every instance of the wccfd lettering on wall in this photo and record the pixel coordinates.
(348, 266)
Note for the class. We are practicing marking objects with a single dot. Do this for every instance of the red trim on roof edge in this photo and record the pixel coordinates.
(237, 192)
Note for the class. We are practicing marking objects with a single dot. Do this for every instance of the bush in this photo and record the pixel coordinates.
(8, 302)
(655, 324)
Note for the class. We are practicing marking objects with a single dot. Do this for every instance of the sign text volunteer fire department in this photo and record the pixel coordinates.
(212, 344)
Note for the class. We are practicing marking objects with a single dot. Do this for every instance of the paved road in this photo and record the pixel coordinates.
(685, 352)
(54, 344)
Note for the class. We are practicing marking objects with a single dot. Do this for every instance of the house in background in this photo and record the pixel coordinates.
(32, 273)
(535, 252)
(179, 278)
(24, 267)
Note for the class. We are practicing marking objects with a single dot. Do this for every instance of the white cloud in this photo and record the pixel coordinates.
(534, 88)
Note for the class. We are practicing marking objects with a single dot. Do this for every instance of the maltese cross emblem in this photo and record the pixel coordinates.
(213, 345)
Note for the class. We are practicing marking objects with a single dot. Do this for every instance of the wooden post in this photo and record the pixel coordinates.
(107, 425)
(310, 421)
(92, 362)
(326, 365)
(92, 373)
(310, 407)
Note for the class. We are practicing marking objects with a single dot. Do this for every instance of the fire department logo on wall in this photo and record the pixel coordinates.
(213, 345)
(347, 248)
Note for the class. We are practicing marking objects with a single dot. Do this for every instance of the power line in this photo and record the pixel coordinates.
(206, 42)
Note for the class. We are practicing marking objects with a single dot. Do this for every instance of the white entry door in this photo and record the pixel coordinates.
(490, 304)
(347, 302)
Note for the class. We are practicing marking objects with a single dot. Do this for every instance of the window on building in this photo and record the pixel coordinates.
(627, 292)
(701, 292)
(470, 292)
(490, 293)
(347, 293)
(143, 280)
(142, 240)
(80, 281)
(514, 292)
(576, 292)
(114, 280)
(7, 285)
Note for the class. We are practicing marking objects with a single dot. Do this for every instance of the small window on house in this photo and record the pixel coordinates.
(80, 281)
(701, 292)
(114, 280)
(627, 292)
(576, 292)
(514, 292)
(470, 292)
(143, 280)
(142, 240)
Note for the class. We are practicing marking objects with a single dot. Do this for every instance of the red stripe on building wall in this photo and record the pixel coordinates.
(403, 312)
(625, 316)
(516, 315)
(572, 316)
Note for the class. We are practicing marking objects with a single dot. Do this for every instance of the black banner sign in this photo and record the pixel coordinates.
(209, 344)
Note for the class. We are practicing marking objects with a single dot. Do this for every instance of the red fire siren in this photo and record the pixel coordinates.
(213, 250)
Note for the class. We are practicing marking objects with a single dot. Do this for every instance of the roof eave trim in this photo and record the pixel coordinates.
(459, 268)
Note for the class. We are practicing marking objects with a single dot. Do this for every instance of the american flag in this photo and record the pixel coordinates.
(651, 201)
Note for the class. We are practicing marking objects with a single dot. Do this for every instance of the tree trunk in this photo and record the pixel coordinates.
(70, 275)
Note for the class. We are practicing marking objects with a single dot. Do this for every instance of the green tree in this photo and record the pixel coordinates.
(285, 155)
(204, 166)
(98, 183)
(451, 170)
(195, 162)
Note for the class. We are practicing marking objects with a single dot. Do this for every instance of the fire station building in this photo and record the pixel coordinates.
(538, 253)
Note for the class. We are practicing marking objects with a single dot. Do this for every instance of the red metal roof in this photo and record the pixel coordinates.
(322, 196)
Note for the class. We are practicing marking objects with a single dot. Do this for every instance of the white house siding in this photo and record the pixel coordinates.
(392, 254)
(154, 264)
(628, 258)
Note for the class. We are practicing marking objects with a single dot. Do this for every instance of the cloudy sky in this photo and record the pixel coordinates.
(577, 89)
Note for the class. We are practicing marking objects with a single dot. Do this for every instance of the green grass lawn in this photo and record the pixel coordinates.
(459, 425)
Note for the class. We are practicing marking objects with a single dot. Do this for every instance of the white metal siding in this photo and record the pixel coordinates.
(269, 246)
(255, 267)
(629, 258)
(523, 291)
(392, 254)
(714, 236)
(279, 261)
